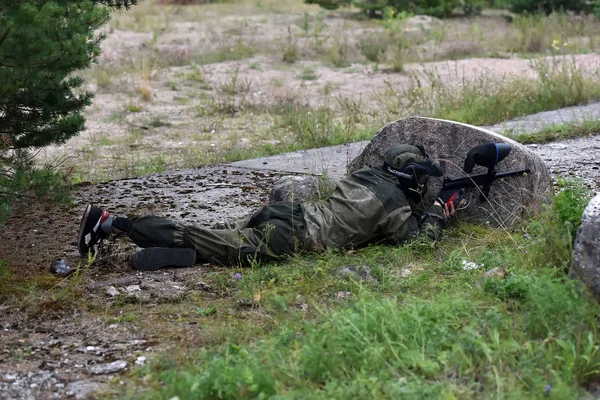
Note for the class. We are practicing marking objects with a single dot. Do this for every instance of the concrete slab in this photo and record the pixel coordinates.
(537, 122)
(331, 161)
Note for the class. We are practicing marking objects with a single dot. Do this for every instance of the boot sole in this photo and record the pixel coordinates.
(81, 247)
(155, 258)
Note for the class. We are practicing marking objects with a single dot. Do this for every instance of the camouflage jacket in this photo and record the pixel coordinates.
(367, 207)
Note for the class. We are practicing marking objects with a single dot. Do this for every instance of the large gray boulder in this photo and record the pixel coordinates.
(585, 264)
(510, 200)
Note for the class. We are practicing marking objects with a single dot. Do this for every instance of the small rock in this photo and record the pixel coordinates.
(82, 389)
(109, 368)
(405, 272)
(469, 265)
(356, 272)
(10, 377)
(112, 291)
(495, 273)
(60, 267)
(343, 295)
(557, 146)
(141, 360)
(203, 286)
(123, 281)
(132, 289)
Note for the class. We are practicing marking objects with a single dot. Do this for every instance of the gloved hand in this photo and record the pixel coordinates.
(449, 199)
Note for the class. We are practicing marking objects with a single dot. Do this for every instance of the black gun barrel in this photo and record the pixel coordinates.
(480, 179)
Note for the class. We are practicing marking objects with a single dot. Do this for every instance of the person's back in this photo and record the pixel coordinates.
(372, 204)
(366, 206)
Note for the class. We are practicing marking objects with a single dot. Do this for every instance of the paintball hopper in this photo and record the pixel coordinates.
(486, 155)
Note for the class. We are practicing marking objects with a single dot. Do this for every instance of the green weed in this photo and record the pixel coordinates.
(21, 179)
(154, 165)
(237, 52)
(569, 203)
(315, 128)
(123, 318)
(373, 46)
(338, 53)
(555, 229)
(156, 121)
(308, 74)
(485, 100)
(133, 108)
(289, 49)
(568, 130)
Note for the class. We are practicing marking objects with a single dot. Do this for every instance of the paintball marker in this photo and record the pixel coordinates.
(486, 155)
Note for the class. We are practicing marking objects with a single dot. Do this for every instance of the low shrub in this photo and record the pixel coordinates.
(548, 6)
(569, 204)
(20, 178)
(377, 8)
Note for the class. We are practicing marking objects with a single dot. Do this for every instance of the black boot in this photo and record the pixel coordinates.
(155, 258)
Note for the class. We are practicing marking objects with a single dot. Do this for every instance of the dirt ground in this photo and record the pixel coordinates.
(56, 336)
(156, 96)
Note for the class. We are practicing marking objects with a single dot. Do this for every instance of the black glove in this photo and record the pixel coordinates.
(447, 196)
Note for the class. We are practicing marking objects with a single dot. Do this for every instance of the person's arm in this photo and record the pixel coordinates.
(433, 221)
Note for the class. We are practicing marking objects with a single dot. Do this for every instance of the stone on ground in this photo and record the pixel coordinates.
(585, 263)
(448, 142)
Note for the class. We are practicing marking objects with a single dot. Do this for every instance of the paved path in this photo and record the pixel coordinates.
(579, 157)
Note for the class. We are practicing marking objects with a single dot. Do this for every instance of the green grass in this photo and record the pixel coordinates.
(316, 128)
(236, 52)
(308, 74)
(439, 332)
(551, 133)
(487, 100)
(22, 179)
(133, 108)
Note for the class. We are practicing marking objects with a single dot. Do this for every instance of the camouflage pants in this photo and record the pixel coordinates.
(271, 233)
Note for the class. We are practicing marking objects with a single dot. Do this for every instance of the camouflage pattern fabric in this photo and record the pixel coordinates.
(367, 207)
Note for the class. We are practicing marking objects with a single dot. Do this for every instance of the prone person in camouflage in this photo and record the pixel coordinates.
(372, 205)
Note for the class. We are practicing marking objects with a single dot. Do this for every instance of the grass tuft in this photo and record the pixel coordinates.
(486, 100)
(569, 130)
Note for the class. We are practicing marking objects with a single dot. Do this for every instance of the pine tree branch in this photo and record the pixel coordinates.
(4, 35)
(16, 195)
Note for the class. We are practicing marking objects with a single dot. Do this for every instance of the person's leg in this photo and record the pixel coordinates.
(270, 233)
(266, 241)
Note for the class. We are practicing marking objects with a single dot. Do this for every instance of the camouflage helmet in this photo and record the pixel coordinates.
(413, 167)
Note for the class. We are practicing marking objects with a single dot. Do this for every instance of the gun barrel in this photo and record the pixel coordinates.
(480, 179)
